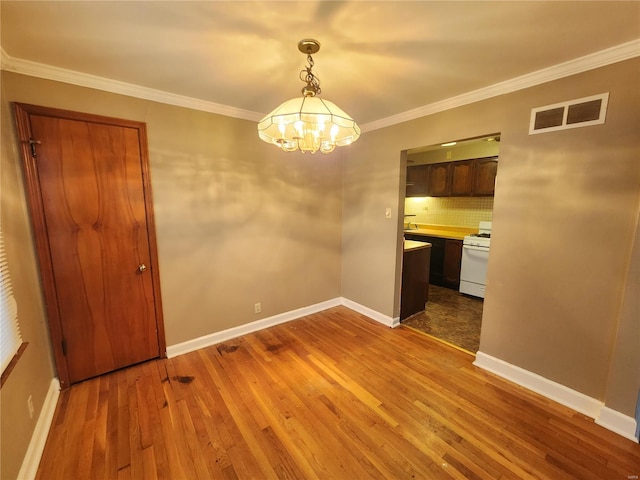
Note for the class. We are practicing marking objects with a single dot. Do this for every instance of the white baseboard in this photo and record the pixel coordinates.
(532, 381)
(373, 314)
(604, 416)
(33, 455)
(224, 335)
(617, 422)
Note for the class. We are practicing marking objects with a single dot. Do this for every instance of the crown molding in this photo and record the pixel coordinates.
(602, 58)
(49, 72)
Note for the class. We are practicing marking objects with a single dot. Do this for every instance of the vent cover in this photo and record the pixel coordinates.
(581, 112)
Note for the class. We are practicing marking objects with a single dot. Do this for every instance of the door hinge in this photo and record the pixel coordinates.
(32, 144)
(64, 347)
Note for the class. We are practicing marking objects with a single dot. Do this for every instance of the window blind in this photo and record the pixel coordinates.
(10, 338)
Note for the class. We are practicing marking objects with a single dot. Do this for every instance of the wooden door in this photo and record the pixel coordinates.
(485, 176)
(439, 180)
(461, 178)
(90, 201)
(452, 263)
(417, 181)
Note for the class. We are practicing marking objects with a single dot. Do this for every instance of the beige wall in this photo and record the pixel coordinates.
(564, 222)
(622, 390)
(33, 374)
(462, 151)
(238, 222)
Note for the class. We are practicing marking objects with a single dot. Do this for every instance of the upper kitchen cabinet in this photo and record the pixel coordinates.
(417, 181)
(462, 178)
(439, 180)
(484, 182)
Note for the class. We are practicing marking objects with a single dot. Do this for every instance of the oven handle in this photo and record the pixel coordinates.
(480, 249)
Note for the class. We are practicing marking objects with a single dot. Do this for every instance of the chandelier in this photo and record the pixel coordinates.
(308, 123)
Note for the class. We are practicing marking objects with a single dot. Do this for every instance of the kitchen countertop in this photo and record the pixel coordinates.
(442, 231)
(410, 245)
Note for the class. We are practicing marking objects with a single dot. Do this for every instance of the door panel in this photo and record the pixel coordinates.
(98, 229)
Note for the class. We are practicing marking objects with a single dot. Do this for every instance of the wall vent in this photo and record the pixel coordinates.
(581, 112)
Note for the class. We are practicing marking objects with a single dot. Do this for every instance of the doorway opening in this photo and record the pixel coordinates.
(448, 203)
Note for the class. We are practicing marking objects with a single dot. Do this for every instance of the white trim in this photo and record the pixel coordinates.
(604, 416)
(49, 72)
(373, 314)
(234, 332)
(532, 381)
(618, 423)
(599, 59)
(33, 455)
(602, 58)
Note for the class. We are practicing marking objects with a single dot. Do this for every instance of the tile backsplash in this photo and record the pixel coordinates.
(457, 211)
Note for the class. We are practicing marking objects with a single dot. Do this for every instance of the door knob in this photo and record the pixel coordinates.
(142, 267)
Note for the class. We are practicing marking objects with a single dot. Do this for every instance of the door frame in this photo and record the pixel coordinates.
(36, 207)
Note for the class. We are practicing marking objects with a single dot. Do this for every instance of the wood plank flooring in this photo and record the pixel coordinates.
(330, 396)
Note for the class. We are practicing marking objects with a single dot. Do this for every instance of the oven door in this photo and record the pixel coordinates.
(473, 271)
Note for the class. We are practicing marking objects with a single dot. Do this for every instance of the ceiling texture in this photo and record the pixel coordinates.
(379, 61)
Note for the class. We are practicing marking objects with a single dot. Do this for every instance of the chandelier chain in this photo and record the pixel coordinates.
(311, 79)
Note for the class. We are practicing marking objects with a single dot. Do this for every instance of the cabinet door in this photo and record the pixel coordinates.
(415, 282)
(438, 180)
(417, 181)
(452, 262)
(485, 176)
(437, 259)
(462, 178)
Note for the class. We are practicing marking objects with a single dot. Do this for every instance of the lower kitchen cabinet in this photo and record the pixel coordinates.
(446, 258)
(415, 281)
(452, 263)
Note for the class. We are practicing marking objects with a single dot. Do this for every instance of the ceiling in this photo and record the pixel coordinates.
(377, 60)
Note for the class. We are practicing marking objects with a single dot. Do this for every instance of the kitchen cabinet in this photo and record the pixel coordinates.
(446, 257)
(415, 279)
(462, 178)
(439, 179)
(484, 181)
(452, 263)
(417, 181)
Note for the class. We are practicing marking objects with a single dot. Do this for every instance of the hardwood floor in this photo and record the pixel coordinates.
(330, 396)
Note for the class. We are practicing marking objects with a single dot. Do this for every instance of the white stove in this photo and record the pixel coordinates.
(475, 256)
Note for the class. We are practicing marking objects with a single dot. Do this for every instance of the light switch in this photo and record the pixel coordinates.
(387, 213)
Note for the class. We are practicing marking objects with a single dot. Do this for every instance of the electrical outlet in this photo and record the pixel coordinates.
(257, 307)
(30, 406)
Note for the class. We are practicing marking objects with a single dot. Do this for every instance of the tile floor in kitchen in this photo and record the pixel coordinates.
(450, 316)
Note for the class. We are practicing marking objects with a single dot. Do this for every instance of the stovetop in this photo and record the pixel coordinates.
(482, 238)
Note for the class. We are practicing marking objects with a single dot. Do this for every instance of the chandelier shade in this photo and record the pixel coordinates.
(308, 123)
